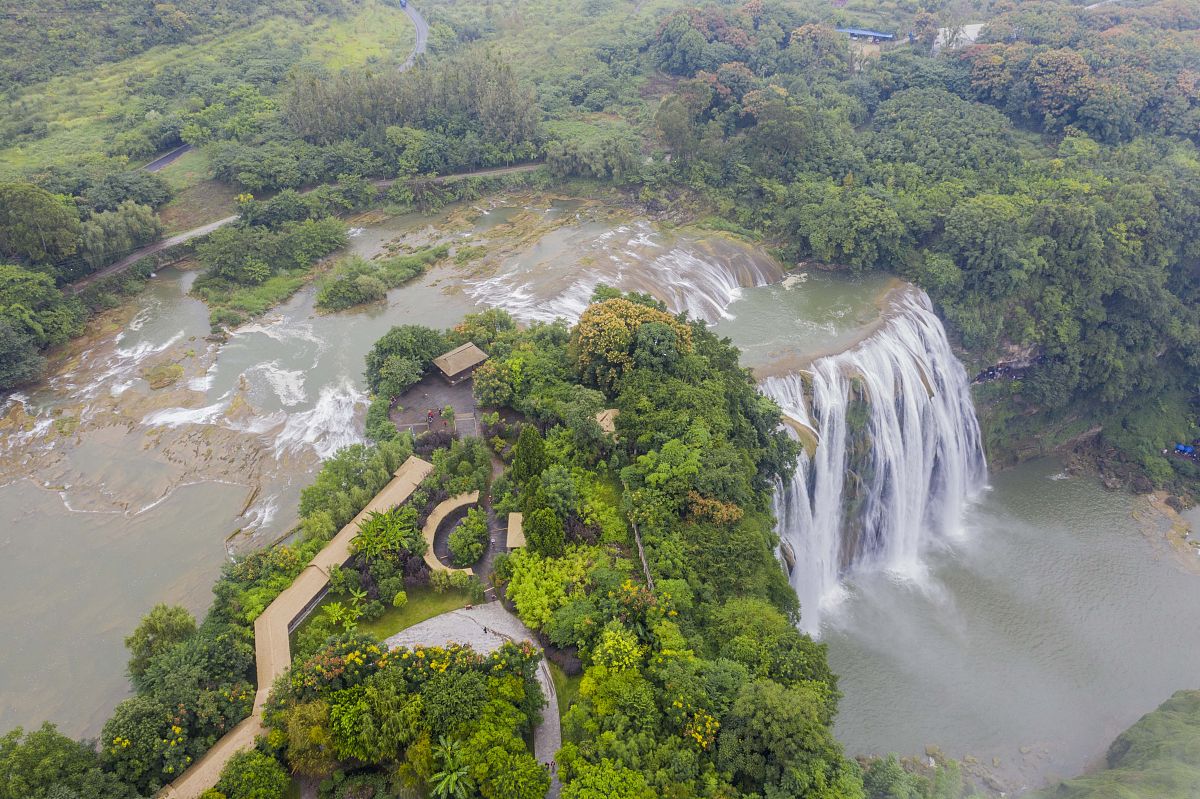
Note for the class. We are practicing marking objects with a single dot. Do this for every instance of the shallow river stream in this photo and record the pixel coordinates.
(1045, 628)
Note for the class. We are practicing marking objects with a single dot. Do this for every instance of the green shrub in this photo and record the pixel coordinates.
(469, 539)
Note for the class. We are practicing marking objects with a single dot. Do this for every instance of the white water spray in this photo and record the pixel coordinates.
(698, 276)
(899, 456)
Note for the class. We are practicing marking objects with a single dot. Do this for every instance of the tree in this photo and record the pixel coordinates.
(398, 374)
(529, 455)
(1062, 81)
(44, 764)
(452, 780)
(140, 186)
(515, 776)
(469, 539)
(36, 225)
(416, 342)
(19, 359)
(607, 780)
(33, 307)
(776, 737)
(310, 742)
(131, 742)
(885, 778)
(109, 235)
(675, 122)
(159, 630)
(605, 339)
(252, 775)
(544, 532)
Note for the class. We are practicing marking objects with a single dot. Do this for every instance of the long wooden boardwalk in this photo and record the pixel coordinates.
(272, 650)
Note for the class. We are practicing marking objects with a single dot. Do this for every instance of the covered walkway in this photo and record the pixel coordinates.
(272, 649)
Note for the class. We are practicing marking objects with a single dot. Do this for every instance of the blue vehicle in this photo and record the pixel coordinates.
(404, 3)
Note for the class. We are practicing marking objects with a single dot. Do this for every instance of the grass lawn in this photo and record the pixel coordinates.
(423, 603)
(198, 199)
(566, 687)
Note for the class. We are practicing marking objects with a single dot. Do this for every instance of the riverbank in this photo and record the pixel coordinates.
(1162, 523)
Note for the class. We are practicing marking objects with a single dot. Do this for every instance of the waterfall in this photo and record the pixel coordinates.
(897, 457)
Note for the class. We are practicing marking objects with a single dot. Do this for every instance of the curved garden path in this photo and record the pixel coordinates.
(486, 628)
(435, 521)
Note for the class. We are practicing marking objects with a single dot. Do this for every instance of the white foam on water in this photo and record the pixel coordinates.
(328, 426)
(140, 318)
(631, 258)
(262, 513)
(176, 417)
(283, 329)
(25, 440)
(287, 384)
(204, 382)
(125, 363)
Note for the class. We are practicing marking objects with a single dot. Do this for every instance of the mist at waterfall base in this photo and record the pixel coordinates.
(1025, 623)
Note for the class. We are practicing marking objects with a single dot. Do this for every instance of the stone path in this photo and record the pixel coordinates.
(468, 627)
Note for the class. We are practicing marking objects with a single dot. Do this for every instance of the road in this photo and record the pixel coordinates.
(422, 27)
(166, 160)
(422, 30)
(204, 230)
(149, 249)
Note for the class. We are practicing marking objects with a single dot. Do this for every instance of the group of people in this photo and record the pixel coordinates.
(429, 416)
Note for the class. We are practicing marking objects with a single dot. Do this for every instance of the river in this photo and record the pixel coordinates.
(1032, 629)
(1045, 629)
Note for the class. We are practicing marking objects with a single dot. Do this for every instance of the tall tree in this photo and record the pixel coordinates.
(160, 629)
(36, 225)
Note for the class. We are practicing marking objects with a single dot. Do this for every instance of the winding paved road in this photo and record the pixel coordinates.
(422, 27)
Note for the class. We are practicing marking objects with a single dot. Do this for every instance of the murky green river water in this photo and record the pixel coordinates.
(1051, 624)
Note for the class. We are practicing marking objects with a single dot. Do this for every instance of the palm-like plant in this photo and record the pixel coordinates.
(453, 781)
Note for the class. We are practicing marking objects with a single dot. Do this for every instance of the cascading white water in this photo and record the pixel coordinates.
(556, 278)
(899, 454)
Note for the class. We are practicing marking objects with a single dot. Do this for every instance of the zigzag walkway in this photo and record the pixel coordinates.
(272, 650)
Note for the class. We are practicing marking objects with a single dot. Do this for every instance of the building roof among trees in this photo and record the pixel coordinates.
(460, 359)
(607, 420)
(866, 32)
